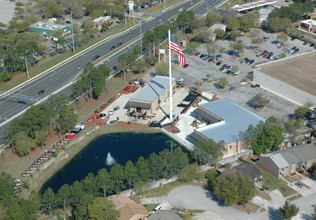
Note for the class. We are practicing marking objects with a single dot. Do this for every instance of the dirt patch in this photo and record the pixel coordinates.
(249, 207)
(263, 194)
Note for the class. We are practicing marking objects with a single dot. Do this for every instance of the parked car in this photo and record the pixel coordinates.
(251, 62)
(180, 81)
(116, 108)
(189, 98)
(155, 124)
(218, 63)
(110, 112)
(186, 65)
(223, 67)
(299, 184)
(113, 122)
(102, 116)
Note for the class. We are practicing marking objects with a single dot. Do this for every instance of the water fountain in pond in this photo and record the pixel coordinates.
(109, 160)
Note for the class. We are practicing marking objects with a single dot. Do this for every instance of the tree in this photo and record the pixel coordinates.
(314, 214)
(117, 174)
(143, 171)
(256, 40)
(162, 68)
(283, 37)
(211, 48)
(6, 189)
(213, 18)
(186, 19)
(192, 47)
(237, 46)
(130, 174)
(222, 82)
(101, 208)
(288, 210)
(219, 33)
(267, 135)
(209, 151)
(233, 23)
(260, 101)
(234, 188)
(190, 172)
(63, 195)
(301, 111)
(49, 201)
(248, 21)
(277, 24)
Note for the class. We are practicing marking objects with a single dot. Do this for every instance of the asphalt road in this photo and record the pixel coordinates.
(58, 79)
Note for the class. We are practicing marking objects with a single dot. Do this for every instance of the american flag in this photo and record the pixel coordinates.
(175, 48)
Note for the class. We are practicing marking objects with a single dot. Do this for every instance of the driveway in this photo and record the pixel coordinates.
(195, 197)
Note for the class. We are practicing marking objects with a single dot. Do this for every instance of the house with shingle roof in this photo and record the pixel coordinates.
(289, 161)
(129, 209)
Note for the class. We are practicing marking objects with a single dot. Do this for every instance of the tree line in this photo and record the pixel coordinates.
(80, 194)
(32, 129)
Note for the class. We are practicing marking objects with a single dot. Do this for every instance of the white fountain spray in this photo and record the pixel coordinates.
(109, 160)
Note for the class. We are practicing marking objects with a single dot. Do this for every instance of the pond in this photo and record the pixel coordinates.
(104, 151)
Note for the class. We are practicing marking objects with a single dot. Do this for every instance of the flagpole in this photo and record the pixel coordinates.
(170, 80)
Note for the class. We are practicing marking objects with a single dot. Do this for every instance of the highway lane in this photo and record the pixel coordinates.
(63, 75)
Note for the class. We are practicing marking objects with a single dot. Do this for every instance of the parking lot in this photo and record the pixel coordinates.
(196, 73)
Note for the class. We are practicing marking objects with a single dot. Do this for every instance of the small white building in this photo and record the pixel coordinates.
(215, 27)
(308, 26)
(98, 22)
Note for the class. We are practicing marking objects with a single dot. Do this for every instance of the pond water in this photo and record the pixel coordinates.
(106, 149)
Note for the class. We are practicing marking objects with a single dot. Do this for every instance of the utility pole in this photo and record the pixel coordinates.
(125, 18)
(27, 68)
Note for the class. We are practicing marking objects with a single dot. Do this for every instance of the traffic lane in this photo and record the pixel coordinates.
(83, 60)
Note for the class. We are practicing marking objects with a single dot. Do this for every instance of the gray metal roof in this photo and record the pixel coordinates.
(153, 89)
(290, 157)
(305, 152)
(236, 120)
(279, 161)
(293, 155)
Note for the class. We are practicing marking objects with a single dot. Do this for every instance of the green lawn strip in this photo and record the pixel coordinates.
(160, 6)
(273, 183)
(290, 179)
(292, 198)
(165, 189)
(150, 207)
(231, 3)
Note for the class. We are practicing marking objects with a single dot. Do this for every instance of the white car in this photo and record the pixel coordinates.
(110, 112)
(180, 9)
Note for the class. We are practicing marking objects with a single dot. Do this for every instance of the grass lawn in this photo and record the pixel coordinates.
(165, 189)
(273, 183)
(297, 196)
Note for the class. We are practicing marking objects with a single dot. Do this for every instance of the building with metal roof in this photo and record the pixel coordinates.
(225, 121)
(151, 95)
(47, 29)
(286, 162)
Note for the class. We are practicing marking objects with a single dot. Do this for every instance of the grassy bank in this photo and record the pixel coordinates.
(71, 150)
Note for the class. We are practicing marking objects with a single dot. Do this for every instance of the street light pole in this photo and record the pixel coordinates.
(141, 38)
(72, 34)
